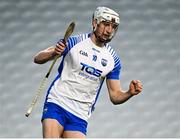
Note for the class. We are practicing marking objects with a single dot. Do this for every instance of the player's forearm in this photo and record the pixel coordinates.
(44, 56)
(121, 97)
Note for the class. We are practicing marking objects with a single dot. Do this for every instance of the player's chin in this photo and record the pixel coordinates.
(106, 37)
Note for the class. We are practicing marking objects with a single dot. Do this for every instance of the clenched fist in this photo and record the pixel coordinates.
(135, 87)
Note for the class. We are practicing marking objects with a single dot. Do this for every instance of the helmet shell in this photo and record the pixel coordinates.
(106, 14)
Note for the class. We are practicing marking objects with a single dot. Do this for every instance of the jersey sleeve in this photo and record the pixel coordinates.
(73, 40)
(115, 73)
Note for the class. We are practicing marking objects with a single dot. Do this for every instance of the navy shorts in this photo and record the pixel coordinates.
(69, 121)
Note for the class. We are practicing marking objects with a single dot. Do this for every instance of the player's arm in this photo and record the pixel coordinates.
(49, 53)
(117, 95)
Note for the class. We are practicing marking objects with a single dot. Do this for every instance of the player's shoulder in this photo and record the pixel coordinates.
(111, 51)
(75, 39)
(80, 37)
(114, 55)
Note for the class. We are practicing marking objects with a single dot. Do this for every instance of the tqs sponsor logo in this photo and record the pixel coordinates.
(91, 70)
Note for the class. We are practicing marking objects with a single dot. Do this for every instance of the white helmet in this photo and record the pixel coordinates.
(107, 14)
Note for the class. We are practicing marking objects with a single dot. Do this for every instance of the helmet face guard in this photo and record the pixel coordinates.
(107, 15)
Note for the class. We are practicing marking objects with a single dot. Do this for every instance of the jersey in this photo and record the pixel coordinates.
(81, 73)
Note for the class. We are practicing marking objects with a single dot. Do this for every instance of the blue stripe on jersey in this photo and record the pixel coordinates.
(57, 77)
(97, 96)
(115, 73)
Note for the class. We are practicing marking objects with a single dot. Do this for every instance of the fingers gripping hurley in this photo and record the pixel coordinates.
(43, 83)
(68, 33)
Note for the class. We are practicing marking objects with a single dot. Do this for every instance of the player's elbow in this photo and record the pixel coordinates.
(116, 102)
(37, 61)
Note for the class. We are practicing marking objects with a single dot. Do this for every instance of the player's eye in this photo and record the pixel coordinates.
(106, 23)
(115, 26)
(109, 23)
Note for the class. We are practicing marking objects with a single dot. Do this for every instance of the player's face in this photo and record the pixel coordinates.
(105, 30)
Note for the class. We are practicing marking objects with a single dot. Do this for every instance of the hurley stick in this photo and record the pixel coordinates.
(43, 83)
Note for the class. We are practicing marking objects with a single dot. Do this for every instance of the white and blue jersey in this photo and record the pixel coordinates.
(81, 73)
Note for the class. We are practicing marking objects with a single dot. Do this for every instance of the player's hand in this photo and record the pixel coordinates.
(135, 87)
(59, 49)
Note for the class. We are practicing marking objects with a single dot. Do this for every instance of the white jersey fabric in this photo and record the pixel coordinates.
(81, 74)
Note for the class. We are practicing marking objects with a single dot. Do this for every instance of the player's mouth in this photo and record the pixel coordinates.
(106, 36)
